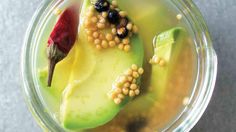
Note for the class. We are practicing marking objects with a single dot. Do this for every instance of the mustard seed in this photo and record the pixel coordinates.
(98, 47)
(127, 48)
(130, 78)
(162, 62)
(131, 93)
(140, 71)
(125, 91)
(123, 79)
(112, 44)
(127, 84)
(118, 90)
(104, 14)
(129, 26)
(94, 19)
(126, 41)
(121, 46)
(135, 74)
(89, 14)
(101, 25)
(123, 13)
(117, 40)
(137, 91)
(113, 95)
(179, 16)
(104, 44)
(97, 41)
(114, 3)
(121, 96)
(89, 32)
(134, 67)
(133, 86)
(117, 100)
(90, 39)
(101, 36)
(95, 34)
(129, 72)
(109, 37)
(135, 29)
(113, 30)
(102, 20)
(134, 81)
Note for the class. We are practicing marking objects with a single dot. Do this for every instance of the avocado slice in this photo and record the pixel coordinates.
(167, 46)
(85, 103)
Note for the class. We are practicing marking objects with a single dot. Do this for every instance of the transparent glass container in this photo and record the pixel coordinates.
(202, 89)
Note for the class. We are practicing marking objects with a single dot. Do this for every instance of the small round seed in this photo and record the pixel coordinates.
(117, 100)
(91, 8)
(134, 67)
(94, 28)
(127, 84)
(123, 13)
(104, 44)
(134, 81)
(89, 32)
(100, 25)
(133, 86)
(90, 39)
(109, 37)
(129, 72)
(135, 29)
(130, 78)
(102, 20)
(98, 47)
(113, 30)
(114, 3)
(135, 74)
(140, 71)
(113, 95)
(121, 46)
(104, 14)
(94, 19)
(137, 91)
(117, 40)
(127, 48)
(118, 90)
(97, 41)
(162, 62)
(89, 14)
(121, 96)
(125, 91)
(101, 36)
(123, 79)
(112, 44)
(126, 41)
(87, 23)
(129, 26)
(95, 34)
(131, 93)
(179, 16)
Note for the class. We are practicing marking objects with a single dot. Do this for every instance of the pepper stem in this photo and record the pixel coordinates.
(51, 67)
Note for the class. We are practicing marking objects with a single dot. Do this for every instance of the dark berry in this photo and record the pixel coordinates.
(123, 22)
(102, 5)
(113, 16)
(121, 32)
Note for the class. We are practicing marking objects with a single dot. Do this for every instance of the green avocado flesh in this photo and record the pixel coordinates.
(167, 46)
(92, 72)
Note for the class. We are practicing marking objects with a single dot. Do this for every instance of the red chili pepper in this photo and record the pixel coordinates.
(62, 38)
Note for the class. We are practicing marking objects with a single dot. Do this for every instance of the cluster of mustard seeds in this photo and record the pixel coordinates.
(157, 60)
(126, 85)
(104, 34)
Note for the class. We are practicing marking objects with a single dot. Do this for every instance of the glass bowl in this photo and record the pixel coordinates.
(202, 89)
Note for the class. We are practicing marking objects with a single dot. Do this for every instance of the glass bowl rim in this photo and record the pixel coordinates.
(207, 63)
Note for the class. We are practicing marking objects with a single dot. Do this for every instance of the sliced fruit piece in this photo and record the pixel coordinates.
(85, 102)
(167, 46)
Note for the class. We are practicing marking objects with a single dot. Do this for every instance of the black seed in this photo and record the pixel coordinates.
(123, 22)
(121, 32)
(113, 16)
(102, 5)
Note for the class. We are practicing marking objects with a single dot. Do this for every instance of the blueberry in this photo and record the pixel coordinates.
(113, 16)
(102, 5)
(122, 31)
